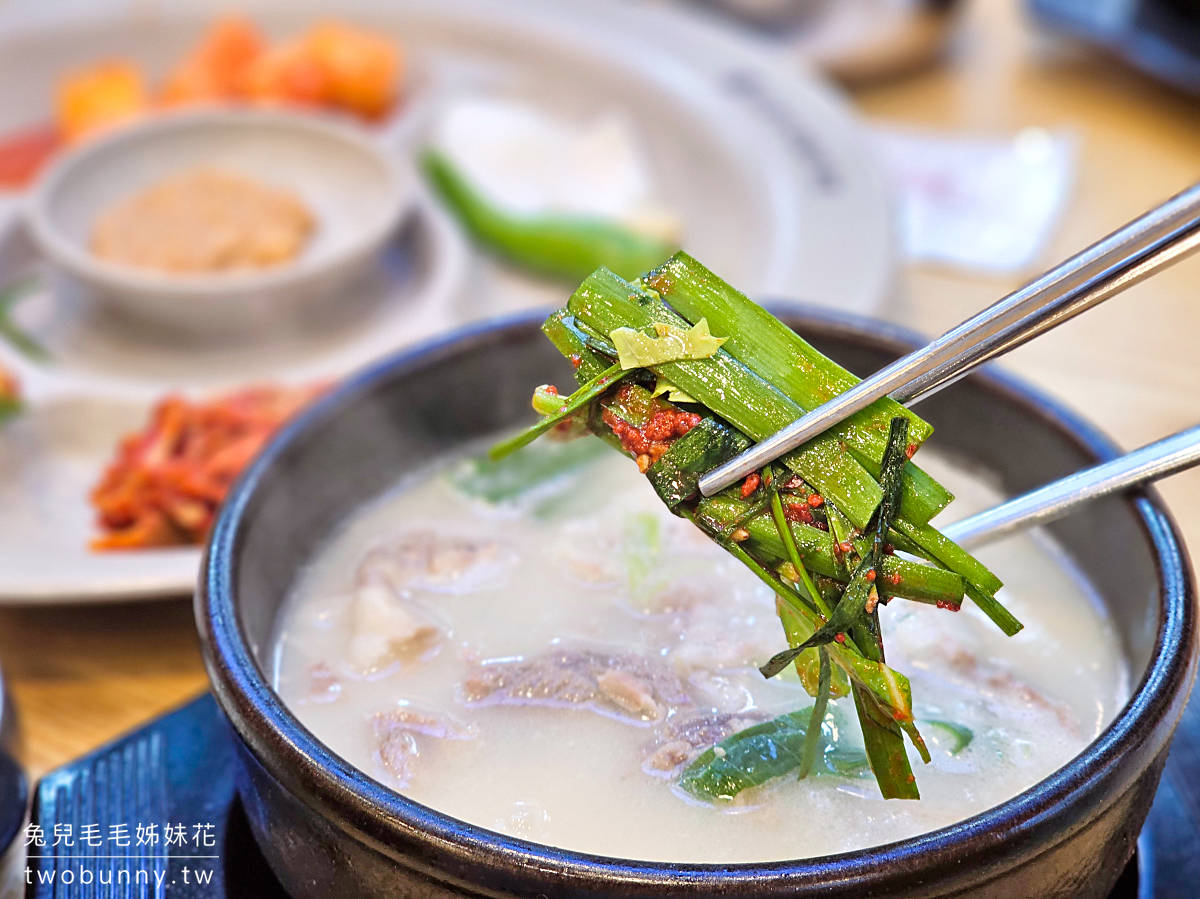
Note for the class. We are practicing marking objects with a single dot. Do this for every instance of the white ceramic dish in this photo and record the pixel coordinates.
(769, 174)
(357, 191)
(79, 406)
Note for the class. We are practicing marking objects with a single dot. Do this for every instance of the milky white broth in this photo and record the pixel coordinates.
(593, 561)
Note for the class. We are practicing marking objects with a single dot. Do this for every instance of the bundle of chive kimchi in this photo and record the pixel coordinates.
(682, 372)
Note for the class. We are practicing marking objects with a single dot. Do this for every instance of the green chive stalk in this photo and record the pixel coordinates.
(789, 363)
(732, 391)
(820, 528)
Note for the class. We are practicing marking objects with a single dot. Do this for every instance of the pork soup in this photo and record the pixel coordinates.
(539, 648)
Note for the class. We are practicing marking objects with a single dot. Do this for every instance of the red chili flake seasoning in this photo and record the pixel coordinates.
(551, 389)
(910, 450)
(948, 606)
(844, 547)
(655, 437)
(889, 550)
(660, 426)
(631, 438)
(893, 579)
(750, 484)
(870, 576)
(840, 638)
(816, 501)
(576, 360)
(798, 512)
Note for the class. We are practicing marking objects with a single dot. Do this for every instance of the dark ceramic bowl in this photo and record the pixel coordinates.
(329, 830)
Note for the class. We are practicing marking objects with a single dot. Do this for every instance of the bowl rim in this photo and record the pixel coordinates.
(399, 176)
(373, 813)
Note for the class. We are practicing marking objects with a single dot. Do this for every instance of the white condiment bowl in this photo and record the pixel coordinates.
(356, 190)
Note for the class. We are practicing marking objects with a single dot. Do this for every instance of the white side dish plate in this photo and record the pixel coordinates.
(768, 173)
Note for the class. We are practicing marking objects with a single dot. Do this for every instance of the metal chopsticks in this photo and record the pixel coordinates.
(1157, 239)
(1141, 466)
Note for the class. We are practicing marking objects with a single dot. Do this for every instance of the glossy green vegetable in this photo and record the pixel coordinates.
(578, 401)
(882, 737)
(517, 475)
(980, 584)
(788, 362)
(728, 388)
(819, 527)
(676, 475)
(792, 549)
(955, 736)
(889, 688)
(572, 342)
(898, 577)
(748, 759)
(558, 245)
(884, 742)
(772, 349)
(667, 344)
(758, 754)
(812, 739)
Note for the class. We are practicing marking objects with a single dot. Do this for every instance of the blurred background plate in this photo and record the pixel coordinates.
(774, 184)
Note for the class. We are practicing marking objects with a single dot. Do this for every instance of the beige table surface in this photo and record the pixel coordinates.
(80, 676)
